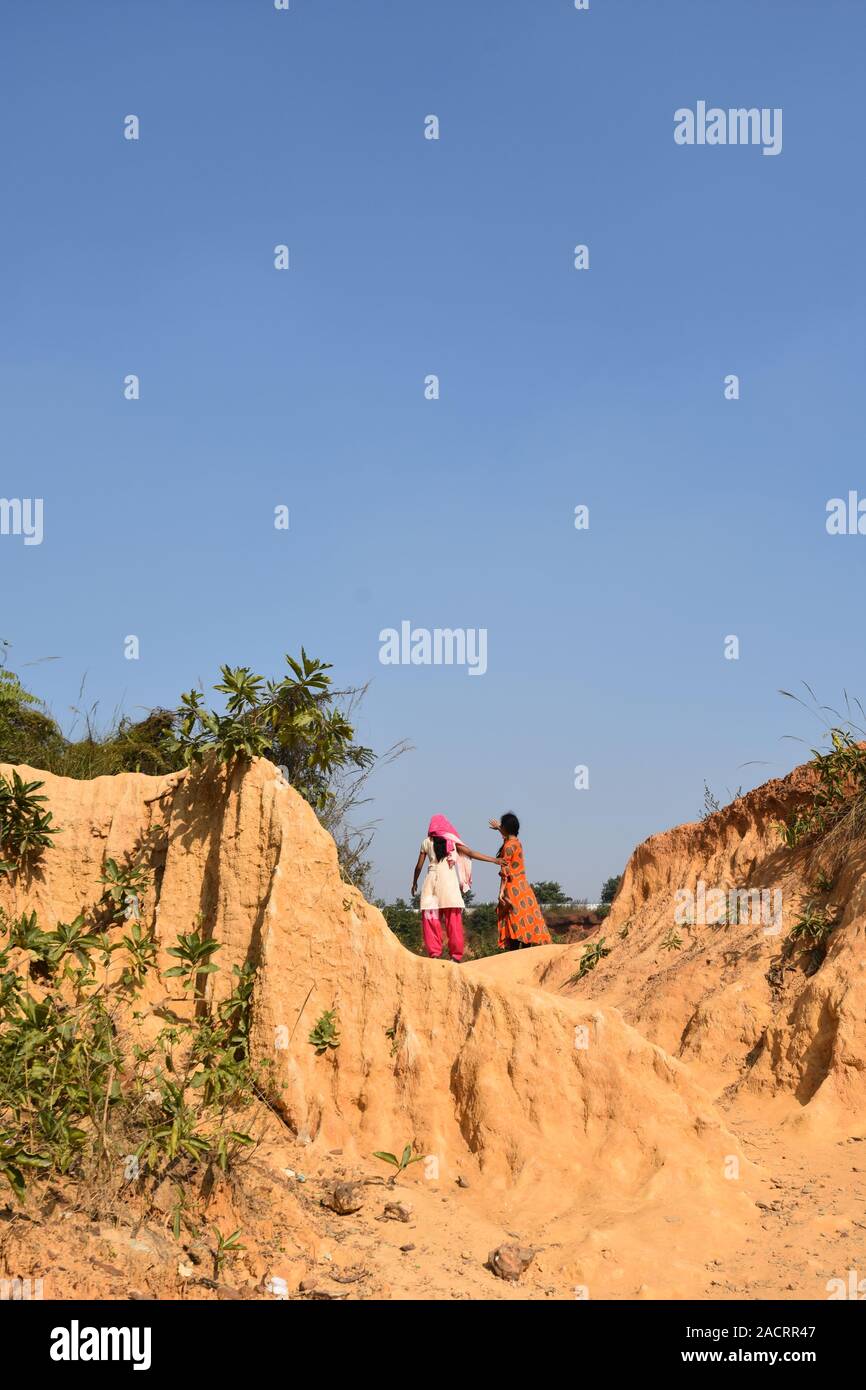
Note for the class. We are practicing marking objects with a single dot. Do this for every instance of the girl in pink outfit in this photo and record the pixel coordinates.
(449, 869)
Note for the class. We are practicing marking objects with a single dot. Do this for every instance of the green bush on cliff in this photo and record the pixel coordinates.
(836, 813)
(84, 1095)
(25, 828)
(301, 722)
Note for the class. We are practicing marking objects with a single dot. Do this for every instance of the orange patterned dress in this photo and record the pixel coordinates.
(518, 915)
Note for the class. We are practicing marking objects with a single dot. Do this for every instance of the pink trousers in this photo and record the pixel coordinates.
(452, 917)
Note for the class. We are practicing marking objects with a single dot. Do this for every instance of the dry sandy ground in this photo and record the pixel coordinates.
(703, 1143)
(805, 1225)
(810, 1229)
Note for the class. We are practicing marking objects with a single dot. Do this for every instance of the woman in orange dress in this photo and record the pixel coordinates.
(518, 915)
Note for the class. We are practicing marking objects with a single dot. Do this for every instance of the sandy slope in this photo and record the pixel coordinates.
(626, 1126)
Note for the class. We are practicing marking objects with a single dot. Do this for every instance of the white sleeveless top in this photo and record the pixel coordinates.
(441, 886)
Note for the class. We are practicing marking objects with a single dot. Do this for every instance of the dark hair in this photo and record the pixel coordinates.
(509, 822)
(440, 848)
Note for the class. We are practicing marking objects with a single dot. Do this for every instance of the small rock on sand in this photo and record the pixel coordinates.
(396, 1211)
(344, 1198)
(509, 1261)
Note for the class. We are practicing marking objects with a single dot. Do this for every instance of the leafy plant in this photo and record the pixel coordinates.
(795, 828)
(141, 950)
(295, 721)
(25, 829)
(63, 1109)
(220, 1050)
(194, 954)
(324, 1034)
(226, 1246)
(55, 1058)
(590, 959)
(177, 1128)
(837, 810)
(400, 1164)
(814, 925)
(14, 1158)
(26, 935)
(301, 722)
(672, 942)
(124, 889)
(235, 1010)
(76, 939)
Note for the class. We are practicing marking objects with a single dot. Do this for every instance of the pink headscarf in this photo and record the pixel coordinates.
(442, 827)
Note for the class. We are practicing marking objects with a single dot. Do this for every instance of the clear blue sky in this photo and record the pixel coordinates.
(558, 387)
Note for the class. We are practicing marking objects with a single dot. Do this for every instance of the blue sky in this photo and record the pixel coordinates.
(558, 387)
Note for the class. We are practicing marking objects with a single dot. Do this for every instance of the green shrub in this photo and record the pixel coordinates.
(296, 721)
(590, 959)
(323, 1035)
(124, 889)
(300, 722)
(813, 926)
(63, 1110)
(194, 954)
(25, 829)
(837, 810)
